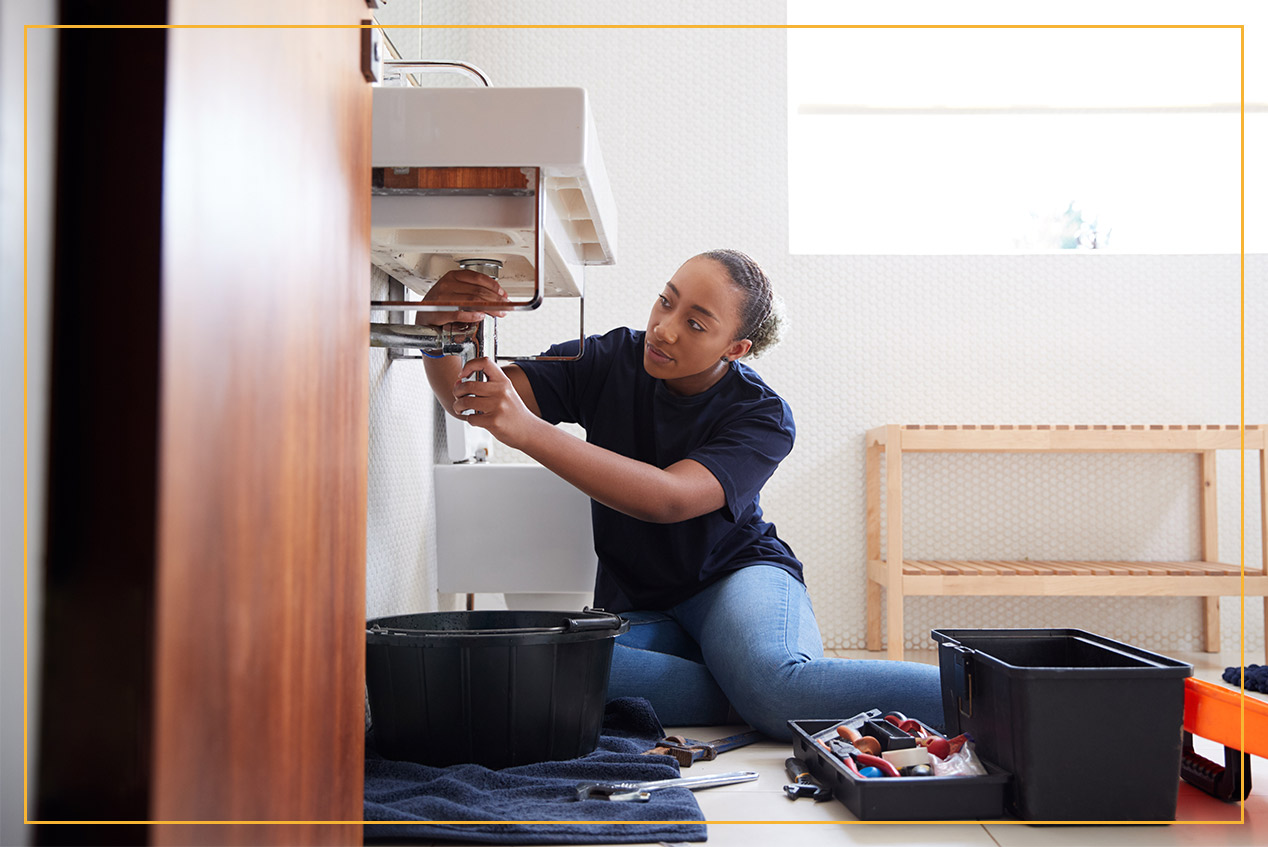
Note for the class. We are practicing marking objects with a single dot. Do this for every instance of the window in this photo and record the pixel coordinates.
(1000, 140)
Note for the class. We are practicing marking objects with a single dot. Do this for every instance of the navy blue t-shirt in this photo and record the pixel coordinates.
(739, 429)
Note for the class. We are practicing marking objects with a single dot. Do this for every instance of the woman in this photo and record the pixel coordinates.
(680, 438)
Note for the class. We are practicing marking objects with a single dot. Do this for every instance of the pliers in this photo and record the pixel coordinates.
(908, 725)
(850, 755)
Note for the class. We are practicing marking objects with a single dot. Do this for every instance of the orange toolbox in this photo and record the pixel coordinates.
(1215, 713)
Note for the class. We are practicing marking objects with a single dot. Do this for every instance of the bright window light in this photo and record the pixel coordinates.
(1003, 140)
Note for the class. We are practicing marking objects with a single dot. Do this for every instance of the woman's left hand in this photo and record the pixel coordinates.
(494, 403)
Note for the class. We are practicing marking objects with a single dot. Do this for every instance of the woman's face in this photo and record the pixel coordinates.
(692, 326)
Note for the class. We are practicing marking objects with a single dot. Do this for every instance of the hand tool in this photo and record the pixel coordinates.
(854, 722)
(908, 725)
(640, 792)
(803, 784)
(936, 743)
(944, 747)
(939, 747)
(862, 743)
(851, 757)
(688, 751)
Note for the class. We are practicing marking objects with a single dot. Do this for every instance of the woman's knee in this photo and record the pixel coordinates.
(835, 688)
(767, 701)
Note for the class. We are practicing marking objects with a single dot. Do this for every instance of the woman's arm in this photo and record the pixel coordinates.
(506, 407)
(457, 286)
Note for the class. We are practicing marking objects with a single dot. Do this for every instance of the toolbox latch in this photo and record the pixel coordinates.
(962, 677)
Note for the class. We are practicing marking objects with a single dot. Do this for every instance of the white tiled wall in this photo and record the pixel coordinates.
(693, 127)
(401, 518)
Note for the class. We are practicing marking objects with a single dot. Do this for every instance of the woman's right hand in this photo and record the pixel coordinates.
(461, 286)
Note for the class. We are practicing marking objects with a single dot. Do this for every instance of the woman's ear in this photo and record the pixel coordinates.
(737, 350)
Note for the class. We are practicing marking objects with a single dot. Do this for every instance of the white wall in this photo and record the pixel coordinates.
(693, 129)
(24, 305)
(401, 512)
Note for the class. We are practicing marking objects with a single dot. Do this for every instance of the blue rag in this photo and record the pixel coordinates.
(476, 804)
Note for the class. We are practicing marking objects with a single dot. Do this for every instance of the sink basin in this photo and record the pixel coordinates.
(420, 233)
(534, 530)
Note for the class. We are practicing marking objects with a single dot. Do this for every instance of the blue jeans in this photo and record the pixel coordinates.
(750, 641)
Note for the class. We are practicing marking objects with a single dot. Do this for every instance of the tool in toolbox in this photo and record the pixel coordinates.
(915, 796)
(834, 739)
(909, 725)
(640, 792)
(852, 758)
(803, 783)
(688, 751)
(863, 743)
(855, 723)
(1215, 713)
(896, 745)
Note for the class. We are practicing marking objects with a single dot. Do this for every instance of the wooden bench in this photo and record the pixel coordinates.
(898, 577)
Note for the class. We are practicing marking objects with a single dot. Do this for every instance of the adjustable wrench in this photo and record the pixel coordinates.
(640, 792)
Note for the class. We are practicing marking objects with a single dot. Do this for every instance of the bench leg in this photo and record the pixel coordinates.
(1211, 624)
(894, 542)
(872, 473)
(894, 624)
(873, 615)
(1210, 547)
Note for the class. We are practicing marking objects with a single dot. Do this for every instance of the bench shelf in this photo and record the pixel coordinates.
(896, 577)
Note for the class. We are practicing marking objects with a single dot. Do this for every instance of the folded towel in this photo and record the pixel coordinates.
(476, 804)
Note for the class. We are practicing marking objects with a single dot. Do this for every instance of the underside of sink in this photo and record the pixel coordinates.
(457, 173)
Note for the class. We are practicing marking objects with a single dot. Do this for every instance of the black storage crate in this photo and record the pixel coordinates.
(1090, 728)
(908, 798)
(494, 688)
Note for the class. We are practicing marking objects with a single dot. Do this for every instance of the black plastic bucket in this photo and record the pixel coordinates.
(496, 688)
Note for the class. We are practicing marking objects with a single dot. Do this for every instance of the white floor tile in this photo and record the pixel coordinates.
(1201, 835)
(815, 834)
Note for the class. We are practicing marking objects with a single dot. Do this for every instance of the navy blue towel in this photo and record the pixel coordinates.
(427, 802)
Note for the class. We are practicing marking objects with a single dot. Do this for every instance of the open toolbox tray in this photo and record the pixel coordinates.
(906, 798)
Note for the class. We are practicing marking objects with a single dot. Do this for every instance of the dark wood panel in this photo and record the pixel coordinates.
(93, 751)
(262, 470)
(451, 178)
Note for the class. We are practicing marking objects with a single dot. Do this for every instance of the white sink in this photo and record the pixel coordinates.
(417, 237)
(533, 528)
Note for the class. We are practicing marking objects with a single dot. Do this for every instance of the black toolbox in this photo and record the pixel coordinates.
(1090, 728)
(907, 798)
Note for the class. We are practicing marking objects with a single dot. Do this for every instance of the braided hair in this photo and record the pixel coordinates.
(761, 313)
